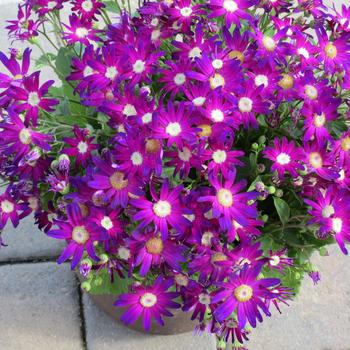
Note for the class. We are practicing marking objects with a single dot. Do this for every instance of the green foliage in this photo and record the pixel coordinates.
(45, 60)
(283, 209)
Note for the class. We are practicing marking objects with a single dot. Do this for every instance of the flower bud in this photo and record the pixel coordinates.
(265, 218)
(255, 146)
(271, 189)
(261, 168)
(279, 193)
(63, 162)
(86, 286)
(262, 140)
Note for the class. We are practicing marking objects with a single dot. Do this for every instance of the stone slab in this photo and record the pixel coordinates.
(103, 333)
(39, 308)
(28, 242)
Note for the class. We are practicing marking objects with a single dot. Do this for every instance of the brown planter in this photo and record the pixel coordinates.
(179, 323)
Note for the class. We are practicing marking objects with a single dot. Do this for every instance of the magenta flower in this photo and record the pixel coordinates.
(47, 6)
(285, 156)
(10, 208)
(306, 51)
(115, 184)
(233, 11)
(88, 9)
(229, 204)
(237, 43)
(30, 98)
(151, 250)
(149, 303)
(109, 220)
(80, 31)
(174, 125)
(164, 211)
(245, 294)
(80, 234)
(81, 146)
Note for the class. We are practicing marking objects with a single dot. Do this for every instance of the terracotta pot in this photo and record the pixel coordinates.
(180, 323)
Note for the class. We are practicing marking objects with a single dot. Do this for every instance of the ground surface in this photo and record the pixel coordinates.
(42, 307)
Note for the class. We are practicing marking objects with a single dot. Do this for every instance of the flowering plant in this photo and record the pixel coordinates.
(194, 156)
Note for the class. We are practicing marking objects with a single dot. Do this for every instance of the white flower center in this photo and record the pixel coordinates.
(87, 5)
(24, 136)
(111, 73)
(303, 52)
(261, 79)
(33, 99)
(173, 129)
(180, 79)
(283, 158)
(81, 32)
(230, 5)
(107, 223)
(185, 155)
(186, 11)
(224, 197)
(148, 300)
(82, 147)
(206, 238)
(80, 235)
(315, 160)
(181, 280)
(154, 22)
(196, 52)
(274, 260)
(217, 115)
(139, 67)
(129, 110)
(136, 158)
(155, 35)
(204, 299)
(311, 92)
(319, 120)
(269, 43)
(217, 64)
(7, 206)
(328, 211)
(219, 156)
(199, 101)
(337, 225)
(162, 208)
(123, 253)
(147, 118)
(245, 104)
(243, 293)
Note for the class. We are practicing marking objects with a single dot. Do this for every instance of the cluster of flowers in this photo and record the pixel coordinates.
(194, 149)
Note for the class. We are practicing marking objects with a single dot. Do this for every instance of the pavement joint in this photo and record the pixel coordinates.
(82, 316)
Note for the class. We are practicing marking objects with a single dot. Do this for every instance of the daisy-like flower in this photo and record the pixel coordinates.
(164, 211)
(174, 125)
(30, 97)
(334, 53)
(88, 9)
(341, 147)
(80, 31)
(81, 146)
(10, 209)
(19, 139)
(175, 77)
(229, 204)
(305, 50)
(279, 260)
(80, 233)
(237, 43)
(151, 250)
(47, 6)
(285, 155)
(148, 302)
(232, 10)
(18, 71)
(115, 184)
(245, 294)
(249, 103)
(343, 17)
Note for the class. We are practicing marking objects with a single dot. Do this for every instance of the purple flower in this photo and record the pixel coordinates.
(151, 302)
(80, 234)
(245, 294)
(164, 211)
(229, 204)
(88, 9)
(151, 250)
(285, 157)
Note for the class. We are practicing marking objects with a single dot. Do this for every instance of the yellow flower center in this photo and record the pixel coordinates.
(311, 92)
(315, 160)
(162, 208)
(286, 82)
(24, 136)
(152, 145)
(206, 130)
(269, 43)
(117, 181)
(243, 293)
(80, 234)
(225, 198)
(331, 50)
(319, 120)
(345, 143)
(217, 80)
(218, 256)
(154, 245)
(235, 54)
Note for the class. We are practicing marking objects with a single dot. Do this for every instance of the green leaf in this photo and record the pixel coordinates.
(101, 284)
(64, 61)
(283, 209)
(111, 6)
(44, 60)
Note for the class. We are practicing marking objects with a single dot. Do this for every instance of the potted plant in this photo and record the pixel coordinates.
(193, 157)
